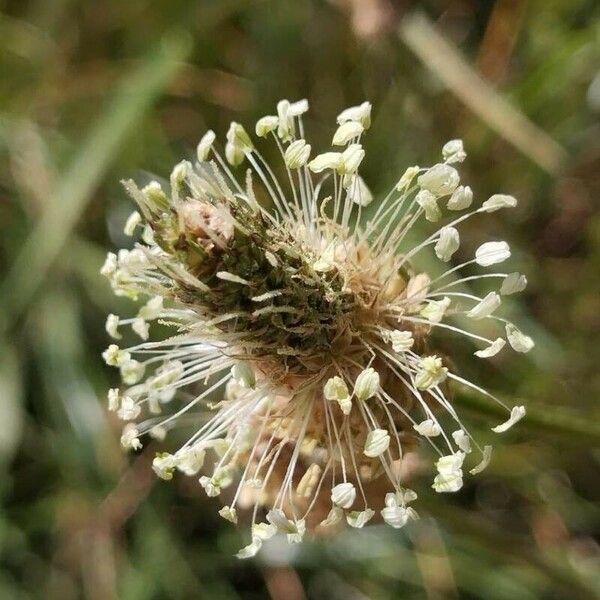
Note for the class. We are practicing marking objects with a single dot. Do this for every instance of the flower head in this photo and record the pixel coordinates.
(301, 350)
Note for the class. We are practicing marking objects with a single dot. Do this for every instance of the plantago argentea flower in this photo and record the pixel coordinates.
(300, 358)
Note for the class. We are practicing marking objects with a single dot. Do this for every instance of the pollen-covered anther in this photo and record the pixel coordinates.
(205, 145)
(395, 514)
(431, 373)
(367, 384)
(447, 244)
(309, 481)
(336, 389)
(461, 198)
(346, 132)
(454, 151)
(377, 442)
(296, 154)
(402, 340)
(440, 180)
(428, 428)
(343, 495)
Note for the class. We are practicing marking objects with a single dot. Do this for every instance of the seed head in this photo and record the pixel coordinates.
(300, 349)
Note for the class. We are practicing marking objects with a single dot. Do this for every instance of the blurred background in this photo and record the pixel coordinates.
(92, 92)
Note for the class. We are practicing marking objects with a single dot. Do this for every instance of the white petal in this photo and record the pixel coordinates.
(491, 253)
(359, 518)
(110, 265)
(243, 373)
(435, 310)
(358, 192)
(486, 307)
(367, 384)
(333, 518)
(229, 514)
(407, 495)
(447, 244)
(152, 309)
(129, 409)
(129, 437)
(431, 372)
(395, 516)
(115, 357)
(112, 324)
(343, 495)
(513, 283)
(278, 519)
(296, 154)
(450, 463)
(251, 549)
(427, 201)
(346, 132)
(485, 461)
(498, 201)
(461, 198)
(327, 160)
(190, 460)
(453, 151)
(461, 439)
(377, 443)
(297, 536)
(451, 482)
(205, 144)
(285, 121)
(352, 156)
(263, 531)
(361, 113)
(492, 349)
(516, 414)
(428, 428)
(309, 481)
(401, 340)
(132, 371)
(132, 222)
(440, 180)
(518, 340)
(140, 327)
(266, 125)
(298, 108)
(325, 262)
(113, 399)
(233, 154)
(335, 388)
(163, 465)
(239, 138)
(407, 178)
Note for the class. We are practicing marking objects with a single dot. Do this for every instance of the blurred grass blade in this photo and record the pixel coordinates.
(69, 199)
(11, 399)
(572, 428)
(446, 62)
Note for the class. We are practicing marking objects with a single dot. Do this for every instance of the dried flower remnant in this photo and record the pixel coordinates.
(301, 353)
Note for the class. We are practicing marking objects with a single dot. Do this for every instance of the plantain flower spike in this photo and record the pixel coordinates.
(295, 346)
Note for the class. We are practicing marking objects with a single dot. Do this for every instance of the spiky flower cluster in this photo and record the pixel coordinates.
(300, 354)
